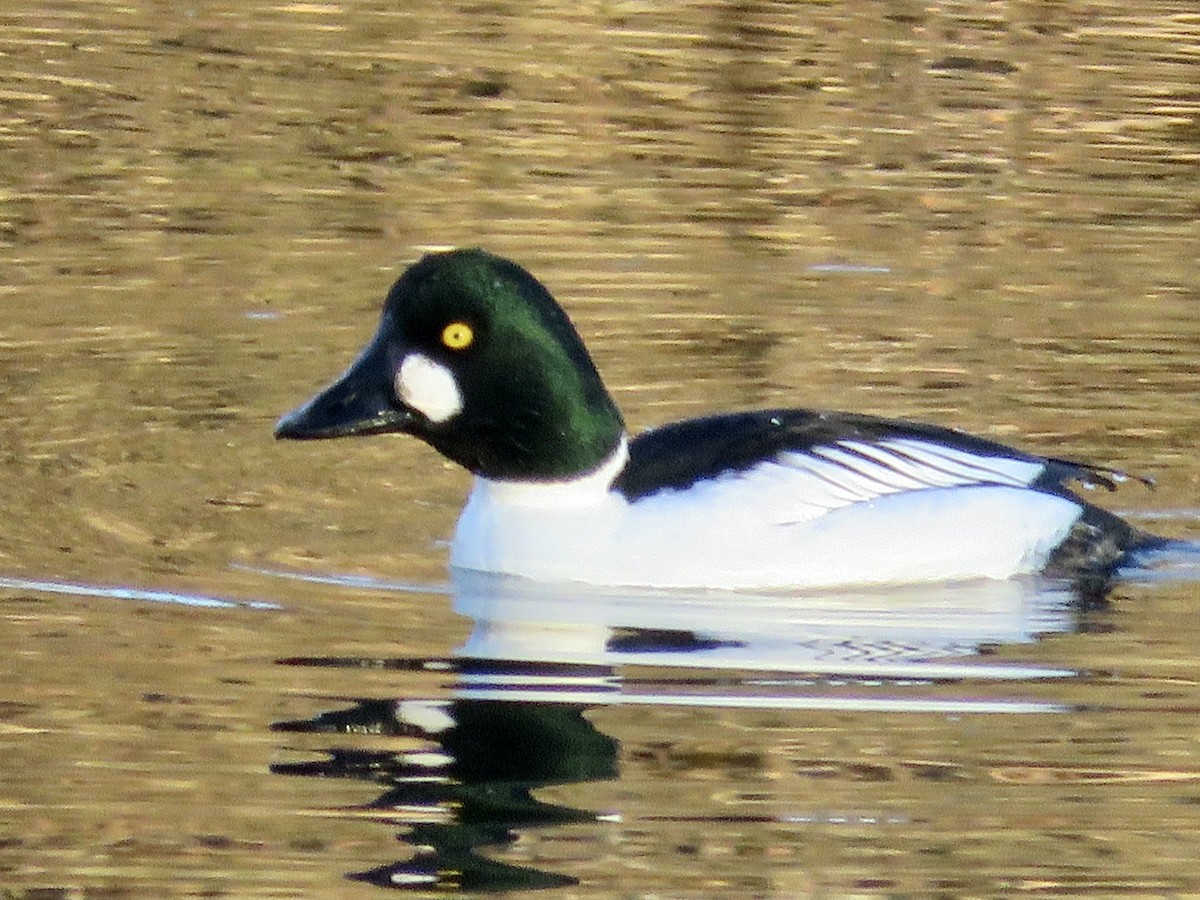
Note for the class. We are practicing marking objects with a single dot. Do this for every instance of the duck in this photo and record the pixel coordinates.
(475, 357)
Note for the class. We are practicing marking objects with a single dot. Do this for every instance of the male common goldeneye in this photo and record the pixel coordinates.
(474, 356)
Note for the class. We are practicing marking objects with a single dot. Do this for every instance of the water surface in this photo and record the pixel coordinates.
(981, 215)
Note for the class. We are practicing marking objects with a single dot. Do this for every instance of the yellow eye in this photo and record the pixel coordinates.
(458, 335)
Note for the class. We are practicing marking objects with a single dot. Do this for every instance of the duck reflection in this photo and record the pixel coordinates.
(474, 790)
(538, 658)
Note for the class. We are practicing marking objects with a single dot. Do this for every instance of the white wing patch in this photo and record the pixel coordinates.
(846, 472)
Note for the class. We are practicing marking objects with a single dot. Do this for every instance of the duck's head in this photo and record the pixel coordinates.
(474, 356)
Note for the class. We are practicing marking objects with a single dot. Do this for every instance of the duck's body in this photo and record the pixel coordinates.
(474, 356)
(763, 506)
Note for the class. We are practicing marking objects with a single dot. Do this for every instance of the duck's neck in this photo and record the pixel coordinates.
(562, 493)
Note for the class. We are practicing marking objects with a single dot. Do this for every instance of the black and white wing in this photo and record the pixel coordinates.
(829, 460)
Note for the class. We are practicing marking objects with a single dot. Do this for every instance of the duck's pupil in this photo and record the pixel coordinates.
(457, 335)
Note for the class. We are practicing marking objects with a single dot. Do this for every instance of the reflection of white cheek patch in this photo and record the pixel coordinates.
(428, 387)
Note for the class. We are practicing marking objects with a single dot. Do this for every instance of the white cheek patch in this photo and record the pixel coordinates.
(428, 387)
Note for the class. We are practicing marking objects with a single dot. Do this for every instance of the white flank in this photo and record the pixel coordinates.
(854, 513)
(428, 387)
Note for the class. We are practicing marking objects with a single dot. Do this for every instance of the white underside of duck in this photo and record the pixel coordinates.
(923, 513)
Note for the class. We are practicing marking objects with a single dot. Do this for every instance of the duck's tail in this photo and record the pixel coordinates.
(1102, 547)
